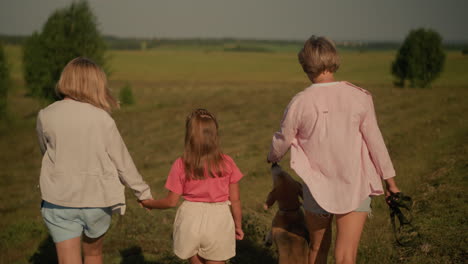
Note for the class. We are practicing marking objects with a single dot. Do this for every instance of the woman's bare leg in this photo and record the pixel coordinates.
(69, 251)
(348, 233)
(92, 250)
(319, 227)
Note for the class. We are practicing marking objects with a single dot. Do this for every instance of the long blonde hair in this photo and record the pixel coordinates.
(84, 81)
(202, 152)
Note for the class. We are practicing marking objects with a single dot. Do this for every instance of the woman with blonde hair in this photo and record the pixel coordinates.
(84, 163)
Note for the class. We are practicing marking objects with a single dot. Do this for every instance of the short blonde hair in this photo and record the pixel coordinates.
(317, 56)
(84, 81)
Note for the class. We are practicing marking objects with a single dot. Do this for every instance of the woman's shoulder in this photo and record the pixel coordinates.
(72, 105)
(355, 87)
(75, 110)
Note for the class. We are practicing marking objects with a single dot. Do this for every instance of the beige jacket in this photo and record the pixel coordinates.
(85, 162)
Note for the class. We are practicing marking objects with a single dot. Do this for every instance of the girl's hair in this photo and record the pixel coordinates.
(318, 55)
(84, 81)
(202, 152)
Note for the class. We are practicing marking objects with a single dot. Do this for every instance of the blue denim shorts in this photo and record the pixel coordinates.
(312, 206)
(68, 222)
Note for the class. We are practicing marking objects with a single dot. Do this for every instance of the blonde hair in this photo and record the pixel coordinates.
(202, 152)
(84, 81)
(317, 56)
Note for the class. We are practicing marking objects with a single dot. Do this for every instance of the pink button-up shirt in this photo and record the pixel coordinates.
(336, 145)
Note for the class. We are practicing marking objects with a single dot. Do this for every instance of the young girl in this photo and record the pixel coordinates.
(205, 228)
(338, 151)
(84, 163)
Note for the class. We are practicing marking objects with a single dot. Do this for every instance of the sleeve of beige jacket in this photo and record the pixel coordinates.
(40, 134)
(283, 138)
(375, 143)
(122, 160)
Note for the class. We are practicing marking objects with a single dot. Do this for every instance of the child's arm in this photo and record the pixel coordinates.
(169, 201)
(236, 210)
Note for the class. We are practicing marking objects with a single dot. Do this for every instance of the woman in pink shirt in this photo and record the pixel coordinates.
(338, 151)
(209, 220)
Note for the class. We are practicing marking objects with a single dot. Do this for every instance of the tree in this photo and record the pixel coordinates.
(68, 33)
(4, 82)
(420, 59)
(126, 95)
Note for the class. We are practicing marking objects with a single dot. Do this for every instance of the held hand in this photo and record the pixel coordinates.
(267, 160)
(239, 234)
(390, 187)
(145, 204)
(265, 206)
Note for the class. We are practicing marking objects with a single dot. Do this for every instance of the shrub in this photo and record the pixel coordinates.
(4, 83)
(420, 59)
(68, 33)
(126, 95)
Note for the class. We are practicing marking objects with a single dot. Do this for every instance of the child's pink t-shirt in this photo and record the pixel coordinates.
(208, 190)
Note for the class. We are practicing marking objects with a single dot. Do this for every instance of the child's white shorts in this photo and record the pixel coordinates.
(206, 229)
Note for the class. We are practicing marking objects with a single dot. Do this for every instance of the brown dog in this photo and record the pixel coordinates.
(288, 230)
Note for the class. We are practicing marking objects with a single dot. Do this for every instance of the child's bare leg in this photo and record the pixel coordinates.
(349, 228)
(92, 250)
(197, 260)
(69, 251)
(319, 227)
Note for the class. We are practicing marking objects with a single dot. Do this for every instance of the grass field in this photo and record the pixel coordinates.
(426, 132)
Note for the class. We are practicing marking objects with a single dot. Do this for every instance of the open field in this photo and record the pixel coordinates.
(426, 132)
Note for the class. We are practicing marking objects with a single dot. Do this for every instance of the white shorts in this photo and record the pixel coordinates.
(206, 229)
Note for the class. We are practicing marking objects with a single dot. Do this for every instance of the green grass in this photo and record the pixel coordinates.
(425, 130)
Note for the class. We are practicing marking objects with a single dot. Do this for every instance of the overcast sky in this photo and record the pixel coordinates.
(379, 20)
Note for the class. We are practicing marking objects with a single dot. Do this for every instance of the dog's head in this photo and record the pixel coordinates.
(279, 176)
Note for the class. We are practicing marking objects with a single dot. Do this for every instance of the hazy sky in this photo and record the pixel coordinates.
(259, 19)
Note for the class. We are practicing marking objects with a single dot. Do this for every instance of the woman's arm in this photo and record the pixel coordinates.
(283, 138)
(169, 201)
(40, 134)
(375, 144)
(236, 210)
(391, 186)
(126, 169)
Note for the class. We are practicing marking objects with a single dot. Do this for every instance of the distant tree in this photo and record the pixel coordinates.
(4, 83)
(420, 59)
(68, 33)
(465, 51)
(126, 95)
